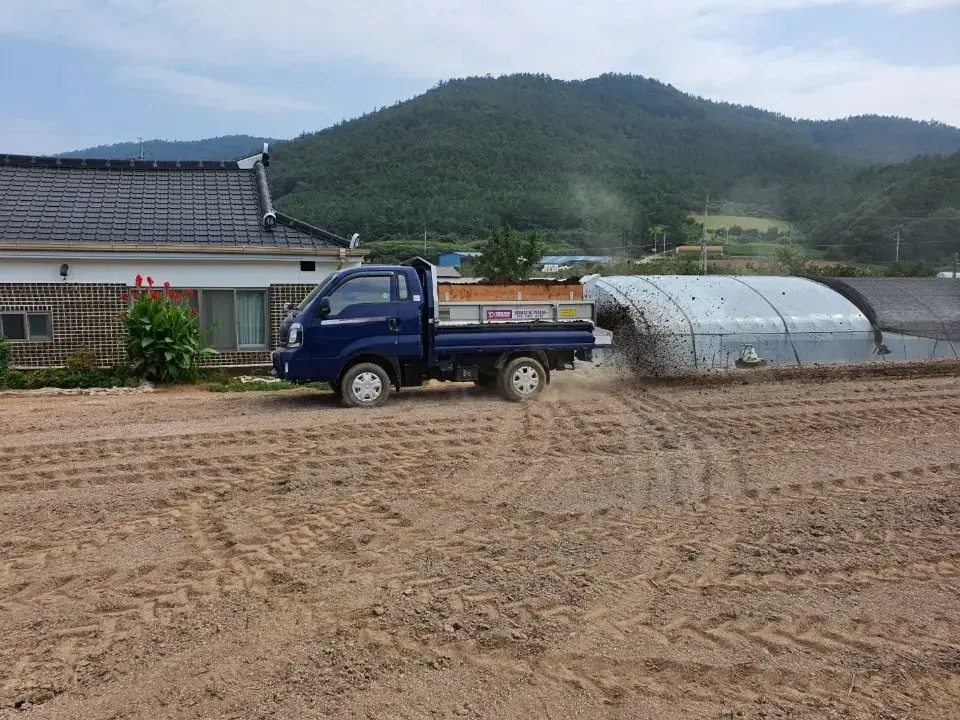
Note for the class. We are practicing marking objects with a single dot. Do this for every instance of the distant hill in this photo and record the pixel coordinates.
(860, 214)
(593, 162)
(871, 139)
(226, 147)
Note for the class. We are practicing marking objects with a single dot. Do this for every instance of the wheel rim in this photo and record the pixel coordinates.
(526, 380)
(367, 387)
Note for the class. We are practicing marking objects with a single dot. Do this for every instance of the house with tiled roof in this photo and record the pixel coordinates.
(74, 233)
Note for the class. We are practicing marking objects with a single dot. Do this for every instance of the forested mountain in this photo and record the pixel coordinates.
(861, 213)
(594, 162)
(226, 147)
(871, 139)
(605, 156)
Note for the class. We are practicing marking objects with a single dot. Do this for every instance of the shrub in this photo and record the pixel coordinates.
(903, 268)
(12, 379)
(81, 362)
(63, 378)
(509, 255)
(5, 352)
(163, 336)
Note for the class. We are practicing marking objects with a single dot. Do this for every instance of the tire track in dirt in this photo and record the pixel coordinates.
(207, 514)
(948, 400)
(493, 543)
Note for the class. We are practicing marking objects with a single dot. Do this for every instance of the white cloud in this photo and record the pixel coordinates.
(685, 42)
(207, 92)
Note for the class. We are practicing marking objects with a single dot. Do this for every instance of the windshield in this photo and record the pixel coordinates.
(313, 293)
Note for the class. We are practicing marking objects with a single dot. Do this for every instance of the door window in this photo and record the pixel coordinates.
(363, 290)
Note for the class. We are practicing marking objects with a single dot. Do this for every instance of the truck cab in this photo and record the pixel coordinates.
(374, 328)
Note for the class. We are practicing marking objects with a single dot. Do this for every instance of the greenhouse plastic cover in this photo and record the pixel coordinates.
(922, 307)
(701, 322)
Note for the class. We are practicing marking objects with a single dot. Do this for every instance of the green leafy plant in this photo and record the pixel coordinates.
(163, 338)
(790, 260)
(508, 255)
(12, 379)
(5, 352)
(81, 362)
(63, 378)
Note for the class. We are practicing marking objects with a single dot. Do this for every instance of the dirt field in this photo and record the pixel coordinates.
(781, 549)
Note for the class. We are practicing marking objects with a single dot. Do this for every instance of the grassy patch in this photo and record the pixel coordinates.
(262, 386)
(765, 250)
(717, 222)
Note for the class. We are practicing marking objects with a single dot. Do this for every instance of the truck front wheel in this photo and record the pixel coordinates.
(521, 379)
(365, 385)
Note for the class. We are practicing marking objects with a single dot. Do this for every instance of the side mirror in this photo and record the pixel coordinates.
(323, 307)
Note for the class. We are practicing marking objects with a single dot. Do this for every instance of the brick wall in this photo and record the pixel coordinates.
(280, 294)
(85, 319)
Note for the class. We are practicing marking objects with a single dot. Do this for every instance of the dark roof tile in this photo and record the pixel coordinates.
(142, 203)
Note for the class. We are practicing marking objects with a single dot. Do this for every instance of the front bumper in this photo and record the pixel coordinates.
(281, 364)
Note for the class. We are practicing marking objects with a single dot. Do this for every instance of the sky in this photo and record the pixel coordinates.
(78, 73)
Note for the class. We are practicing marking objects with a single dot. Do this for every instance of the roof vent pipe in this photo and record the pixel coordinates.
(269, 214)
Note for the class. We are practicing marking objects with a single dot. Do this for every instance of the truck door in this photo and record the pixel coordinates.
(409, 317)
(362, 319)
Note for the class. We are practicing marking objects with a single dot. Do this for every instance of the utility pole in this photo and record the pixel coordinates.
(898, 244)
(703, 240)
(955, 266)
(664, 248)
(424, 242)
(141, 147)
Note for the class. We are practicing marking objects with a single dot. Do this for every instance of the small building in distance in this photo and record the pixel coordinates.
(556, 263)
(455, 258)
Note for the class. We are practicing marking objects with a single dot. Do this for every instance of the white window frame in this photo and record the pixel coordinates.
(26, 325)
(237, 347)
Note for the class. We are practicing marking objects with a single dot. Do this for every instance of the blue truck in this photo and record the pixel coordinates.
(371, 329)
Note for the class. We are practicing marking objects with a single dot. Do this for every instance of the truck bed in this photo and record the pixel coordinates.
(501, 312)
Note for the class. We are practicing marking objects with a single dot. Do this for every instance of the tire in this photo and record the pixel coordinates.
(521, 379)
(365, 385)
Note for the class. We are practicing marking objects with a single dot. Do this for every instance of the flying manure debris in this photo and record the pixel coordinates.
(641, 345)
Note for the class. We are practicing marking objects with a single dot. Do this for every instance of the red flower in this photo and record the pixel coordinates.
(175, 296)
(193, 313)
(190, 292)
(138, 281)
(124, 297)
(154, 295)
(166, 284)
(149, 281)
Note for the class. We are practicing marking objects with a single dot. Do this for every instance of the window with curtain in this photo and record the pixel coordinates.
(232, 319)
(251, 318)
(217, 319)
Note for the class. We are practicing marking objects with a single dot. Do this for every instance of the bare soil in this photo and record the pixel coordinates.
(776, 549)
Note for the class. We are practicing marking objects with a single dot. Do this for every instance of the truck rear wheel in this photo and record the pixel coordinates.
(521, 379)
(365, 385)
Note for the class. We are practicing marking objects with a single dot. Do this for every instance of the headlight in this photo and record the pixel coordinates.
(295, 336)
